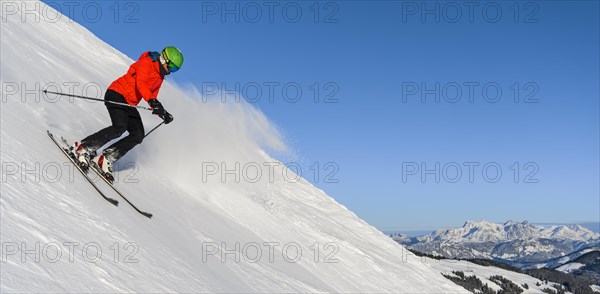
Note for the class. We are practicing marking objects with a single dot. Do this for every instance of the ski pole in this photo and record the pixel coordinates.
(96, 99)
(160, 124)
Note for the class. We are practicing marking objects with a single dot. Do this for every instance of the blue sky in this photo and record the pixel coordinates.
(375, 59)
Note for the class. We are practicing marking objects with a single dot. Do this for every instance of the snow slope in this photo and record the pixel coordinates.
(569, 267)
(484, 273)
(58, 235)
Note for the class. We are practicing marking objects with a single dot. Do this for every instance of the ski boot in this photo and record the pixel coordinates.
(81, 155)
(103, 164)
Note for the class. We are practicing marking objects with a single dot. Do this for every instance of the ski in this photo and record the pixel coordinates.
(95, 169)
(66, 153)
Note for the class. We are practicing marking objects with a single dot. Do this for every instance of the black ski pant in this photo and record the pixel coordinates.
(123, 119)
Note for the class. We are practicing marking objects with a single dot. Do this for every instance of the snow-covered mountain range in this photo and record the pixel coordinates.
(484, 231)
(520, 243)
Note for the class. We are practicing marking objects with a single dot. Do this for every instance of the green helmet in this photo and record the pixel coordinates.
(173, 58)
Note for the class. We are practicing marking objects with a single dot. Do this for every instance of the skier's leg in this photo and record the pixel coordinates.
(135, 128)
(119, 116)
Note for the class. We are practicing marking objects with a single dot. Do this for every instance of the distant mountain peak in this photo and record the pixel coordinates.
(514, 223)
(479, 223)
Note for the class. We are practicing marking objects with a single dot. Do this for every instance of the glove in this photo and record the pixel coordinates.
(167, 118)
(157, 107)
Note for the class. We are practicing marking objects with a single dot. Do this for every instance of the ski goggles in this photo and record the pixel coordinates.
(170, 65)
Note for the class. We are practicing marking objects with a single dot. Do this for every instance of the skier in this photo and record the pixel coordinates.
(142, 80)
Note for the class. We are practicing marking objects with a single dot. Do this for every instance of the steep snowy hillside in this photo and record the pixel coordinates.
(526, 283)
(558, 261)
(586, 266)
(210, 232)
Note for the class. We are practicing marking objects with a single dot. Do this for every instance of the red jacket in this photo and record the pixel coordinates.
(142, 80)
